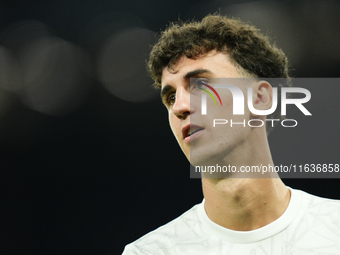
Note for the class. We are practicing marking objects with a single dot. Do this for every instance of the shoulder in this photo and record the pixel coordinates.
(185, 227)
(318, 220)
(312, 203)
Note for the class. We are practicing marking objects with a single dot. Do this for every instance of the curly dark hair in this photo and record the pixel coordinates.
(249, 50)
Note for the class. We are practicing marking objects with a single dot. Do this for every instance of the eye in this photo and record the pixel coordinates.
(171, 99)
(199, 83)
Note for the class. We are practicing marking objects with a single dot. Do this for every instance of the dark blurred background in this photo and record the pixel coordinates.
(87, 159)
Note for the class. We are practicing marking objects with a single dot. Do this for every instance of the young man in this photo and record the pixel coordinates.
(238, 215)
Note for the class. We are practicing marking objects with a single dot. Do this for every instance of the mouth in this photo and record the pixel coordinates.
(191, 132)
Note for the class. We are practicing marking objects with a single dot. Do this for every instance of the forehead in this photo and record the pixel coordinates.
(217, 64)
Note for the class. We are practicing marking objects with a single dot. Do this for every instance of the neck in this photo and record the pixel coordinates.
(246, 204)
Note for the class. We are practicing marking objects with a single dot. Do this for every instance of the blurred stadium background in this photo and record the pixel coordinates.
(87, 160)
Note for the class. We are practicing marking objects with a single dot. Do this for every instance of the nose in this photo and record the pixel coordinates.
(181, 108)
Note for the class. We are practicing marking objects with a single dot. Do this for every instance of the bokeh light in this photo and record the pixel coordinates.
(53, 77)
(122, 65)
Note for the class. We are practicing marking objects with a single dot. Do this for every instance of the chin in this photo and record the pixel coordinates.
(208, 155)
(199, 158)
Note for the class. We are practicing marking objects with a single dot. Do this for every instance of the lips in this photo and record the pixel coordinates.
(191, 132)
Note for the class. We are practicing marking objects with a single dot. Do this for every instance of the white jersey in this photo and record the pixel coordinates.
(309, 226)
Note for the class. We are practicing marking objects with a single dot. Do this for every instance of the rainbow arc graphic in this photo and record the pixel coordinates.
(213, 90)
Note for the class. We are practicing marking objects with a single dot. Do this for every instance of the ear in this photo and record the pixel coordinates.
(262, 95)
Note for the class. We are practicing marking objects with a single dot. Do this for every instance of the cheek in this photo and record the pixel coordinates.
(174, 124)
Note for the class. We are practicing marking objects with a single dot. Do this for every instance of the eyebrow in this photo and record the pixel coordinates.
(187, 76)
(195, 73)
